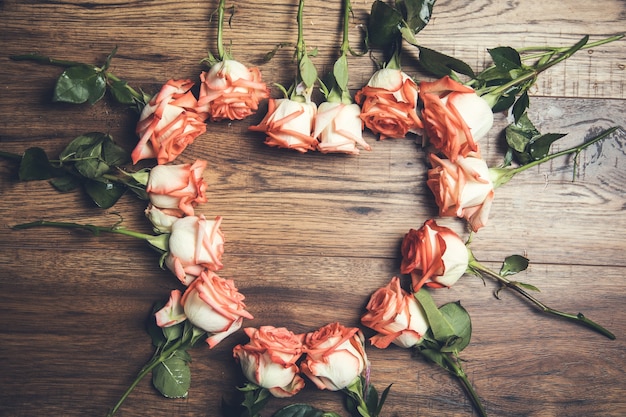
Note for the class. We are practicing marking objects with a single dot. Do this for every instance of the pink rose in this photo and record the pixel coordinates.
(289, 124)
(195, 244)
(454, 117)
(168, 123)
(462, 188)
(396, 316)
(338, 128)
(229, 90)
(434, 255)
(269, 359)
(335, 356)
(210, 303)
(388, 104)
(177, 188)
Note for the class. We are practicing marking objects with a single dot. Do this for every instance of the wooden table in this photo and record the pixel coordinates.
(310, 237)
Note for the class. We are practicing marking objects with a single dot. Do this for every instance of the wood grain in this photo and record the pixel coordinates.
(310, 237)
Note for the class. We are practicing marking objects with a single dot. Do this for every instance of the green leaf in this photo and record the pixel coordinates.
(302, 410)
(434, 356)
(513, 264)
(440, 64)
(172, 377)
(528, 286)
(121, 92)
(459, 320)
(104, 194)
(441, 329)
(383, 28)
(540, 146)
(340, 72)
(520, 106)
(308, 71)
(35, 165)
(65, 183)
(79, 84)
(416, 13)
(505, 58)
(112, 154)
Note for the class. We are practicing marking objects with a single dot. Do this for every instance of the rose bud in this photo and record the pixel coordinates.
(168, 123)
(335, 356)
(269, 359)
(462, 189)
(454, 117)
(434, 255)
(195, 244)
(172, 313)
(338, 128)
(396, 316)
(161, 219)
(388, 104)
(288, 124)
(230, 90)
(177, 188)
(215, 305)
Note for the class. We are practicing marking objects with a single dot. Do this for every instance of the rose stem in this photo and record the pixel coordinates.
(457, 370)
(155, 240)
(153, 363)
(476, 266)
(501, 176)
(220, 27)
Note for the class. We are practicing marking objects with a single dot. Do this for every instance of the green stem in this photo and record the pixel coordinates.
(10, 155)
(455, 368)
(157, 241)
(501, 176)
(300, 46)
(220, 27)
(552, 50)
(477, 268)
(345, 42)
(45, 60)
(153, 363)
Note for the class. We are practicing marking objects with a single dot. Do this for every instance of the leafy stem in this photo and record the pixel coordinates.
(501, 176)
(453, 365)
(549, 51)
(220, 27)
(157, 359)
(477, 268)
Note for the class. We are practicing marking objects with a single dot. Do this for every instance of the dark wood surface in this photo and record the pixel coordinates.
(310, 237)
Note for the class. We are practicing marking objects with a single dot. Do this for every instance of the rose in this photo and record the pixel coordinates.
(335, 356)
(396, 316)
(177, 188)
(288, 124)
(388, 104)
(462, 188)
(338, 128)
(269, 359)
(195, 244)
(168, 123)
(454, 117)
(230, 90)
(434, 255)
(210, 303)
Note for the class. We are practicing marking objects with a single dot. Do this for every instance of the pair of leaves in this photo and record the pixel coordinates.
(85, 162)
(450, 325)
(84, 83)
(388, 24)
(525, 143)
(254, 400)
(512, 265)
